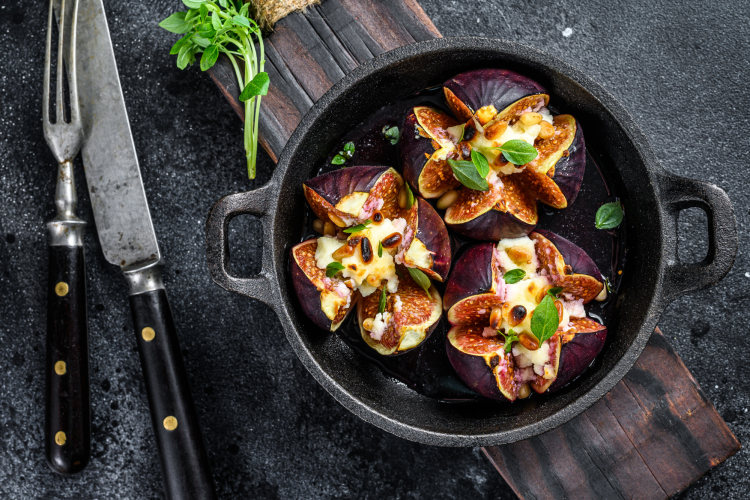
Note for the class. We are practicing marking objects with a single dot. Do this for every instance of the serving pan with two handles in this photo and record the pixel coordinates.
(652, 278)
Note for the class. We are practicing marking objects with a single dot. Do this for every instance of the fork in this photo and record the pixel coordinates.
(67, 429)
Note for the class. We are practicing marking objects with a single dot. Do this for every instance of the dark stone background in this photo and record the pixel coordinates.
(271, 431)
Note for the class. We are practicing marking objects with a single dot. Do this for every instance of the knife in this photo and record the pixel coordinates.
(128, 240)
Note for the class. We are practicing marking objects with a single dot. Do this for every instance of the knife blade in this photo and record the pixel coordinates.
(127, 237)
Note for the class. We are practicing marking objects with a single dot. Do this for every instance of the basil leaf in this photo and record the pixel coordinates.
(514, 276)
(257, 86)
(183, 58)
(467, 174)
(380, 249)
(508, 339)
(176, 23)
(209, 57)
(519, 152)
(223, 3)
(240, 20)
(554, 291)
(178, 44)
(409, 196)
(216, 22)
(358, 227)
(480, 162)
(338, 160)
(609, 215)
(381, 304)
(200, 41)
(333, 268)
(392, 134)
(545, 320)
(349, 149)
(421, 279)
(193, 4)
(204, 12)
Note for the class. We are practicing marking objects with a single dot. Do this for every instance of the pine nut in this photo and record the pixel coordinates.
(318, 226)
(403, 198)
(448, 199)
(519, 255)
(495, 130)
(336, 220)
(367, 324)
(329, 229)
(485, 114)
(531, 118)
(560, 309)
(547, 130)
(524, 391)
(529, 342)
(496, 317)
(391, 240)
(517, 315)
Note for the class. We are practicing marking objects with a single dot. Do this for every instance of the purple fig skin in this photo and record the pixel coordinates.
(569, 169)
(432, 232)
(336, 184)
(493, 225)
(308, 296)
(499, 87)
(577, 355)
(575, 256)
(474, 372)
(411, 151)
(471, 275)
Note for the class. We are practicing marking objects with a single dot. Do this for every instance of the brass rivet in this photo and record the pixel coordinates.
(60, 368)
(148, 334)
(60, 438)
(170, 423)
(61, 289)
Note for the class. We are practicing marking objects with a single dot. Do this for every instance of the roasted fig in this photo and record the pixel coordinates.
(490, 108)
(487, 310)
(326, 301)
(426, 244)
(409, 317)
(349, 196)
(482, 363)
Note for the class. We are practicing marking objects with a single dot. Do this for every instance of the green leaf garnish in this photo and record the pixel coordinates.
(333, 268)
(392, 134)
(609, 215)
(380, 249)
(358, 227)
(545, 320)
(338, 160)
(382, 302)
(257, 86)
(176, 23)
(514, 276)
(518, 152)
(349, 149)
(468, 175)
(554, 291)
(216, 27)
(508, 339)
(421, 279)
(344, 155)
(210, 55)
(480, 162)
(409, 196)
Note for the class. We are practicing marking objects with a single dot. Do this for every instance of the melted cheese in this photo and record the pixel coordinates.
(326, 247)
(418, 255)
(352, 203)
(526, 358)
(525, 244)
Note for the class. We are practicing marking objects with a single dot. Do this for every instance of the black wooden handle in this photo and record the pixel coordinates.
(184, 463)
(67, 429)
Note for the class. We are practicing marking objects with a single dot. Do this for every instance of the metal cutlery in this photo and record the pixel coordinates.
(128, 240)
(67, 429)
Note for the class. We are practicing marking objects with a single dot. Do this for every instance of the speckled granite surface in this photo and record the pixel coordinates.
(679, 67)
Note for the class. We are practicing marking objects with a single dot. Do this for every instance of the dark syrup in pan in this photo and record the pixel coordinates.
(426, 369)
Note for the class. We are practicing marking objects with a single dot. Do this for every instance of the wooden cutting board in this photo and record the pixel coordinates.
(652, 435)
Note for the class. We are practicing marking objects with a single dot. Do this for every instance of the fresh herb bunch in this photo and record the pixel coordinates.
(225, 27)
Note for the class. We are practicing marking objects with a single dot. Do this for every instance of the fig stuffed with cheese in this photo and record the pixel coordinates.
(489, 108)
(491, 297)
(371, 252)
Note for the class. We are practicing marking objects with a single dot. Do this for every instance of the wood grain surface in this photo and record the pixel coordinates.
(651, 436)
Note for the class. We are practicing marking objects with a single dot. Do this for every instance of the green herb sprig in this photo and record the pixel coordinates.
(380, 249)
(508, 339)
(421, 279)
(344, 155)
(392, 134)
(358, 227)
(382, 302)
(409, 196)
(518, 152)
(514, 276)
(333, 268)
(545, 320)
(224, 27)
(609, 215)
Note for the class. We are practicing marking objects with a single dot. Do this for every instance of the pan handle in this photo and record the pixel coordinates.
(679, 193)
(256, 203)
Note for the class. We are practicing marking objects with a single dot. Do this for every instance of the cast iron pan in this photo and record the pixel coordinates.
(653, 275)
